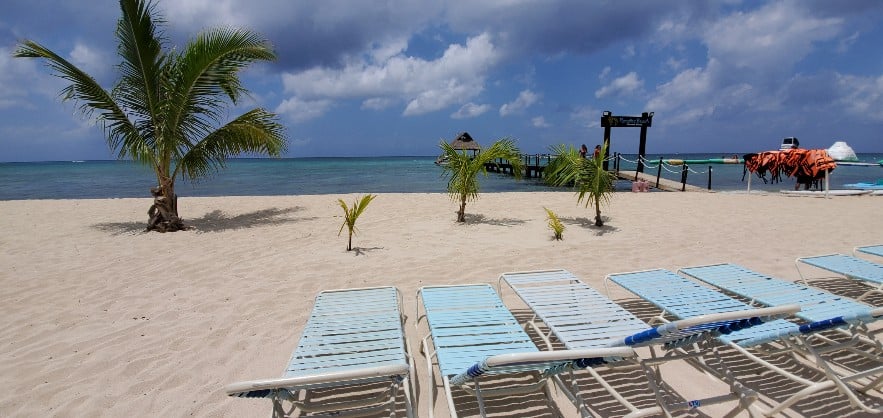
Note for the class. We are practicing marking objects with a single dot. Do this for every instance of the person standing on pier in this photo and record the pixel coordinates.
(583, 150)
(597, 151)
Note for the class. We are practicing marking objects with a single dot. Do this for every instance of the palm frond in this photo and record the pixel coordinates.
(256, 131)
(122, 134)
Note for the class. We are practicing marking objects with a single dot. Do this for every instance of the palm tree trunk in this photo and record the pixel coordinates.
(598, 221)
(163, 214)
(461, 215)
(349, 245)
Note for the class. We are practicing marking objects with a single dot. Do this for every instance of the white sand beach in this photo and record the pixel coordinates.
(102, 319)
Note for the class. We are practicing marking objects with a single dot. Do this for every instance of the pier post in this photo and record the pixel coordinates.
(658, 172)
(709, 177)
(684, 178)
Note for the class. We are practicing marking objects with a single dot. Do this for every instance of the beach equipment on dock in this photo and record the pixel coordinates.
(849, 267)
(581, 318)
(354, 339)
(473, 336)
(682, 298)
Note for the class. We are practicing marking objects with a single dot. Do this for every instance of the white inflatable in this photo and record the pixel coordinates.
(842, 152)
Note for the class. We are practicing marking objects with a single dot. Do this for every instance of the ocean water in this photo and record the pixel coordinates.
(309, 176)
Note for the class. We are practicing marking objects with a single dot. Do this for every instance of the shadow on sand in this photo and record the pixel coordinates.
(214, 221)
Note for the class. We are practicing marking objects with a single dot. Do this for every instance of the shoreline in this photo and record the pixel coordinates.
(104, 319)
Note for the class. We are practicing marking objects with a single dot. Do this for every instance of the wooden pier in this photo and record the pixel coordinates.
(664, 184)
(533, 165)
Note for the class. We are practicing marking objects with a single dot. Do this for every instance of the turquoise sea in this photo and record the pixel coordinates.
(307, 176)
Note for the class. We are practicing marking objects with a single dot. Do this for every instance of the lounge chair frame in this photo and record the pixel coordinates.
(846, 266)
(473, 335)
(580, 317)
(353, 339)
(682, 298)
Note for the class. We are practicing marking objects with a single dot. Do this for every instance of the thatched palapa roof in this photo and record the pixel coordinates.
(465, 141)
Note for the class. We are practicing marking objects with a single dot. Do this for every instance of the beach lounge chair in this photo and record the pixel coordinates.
(682, 298)
(869, 249)
(473, 336)
(353, 340)
(580, 318)
(849, 267)
(816, 306)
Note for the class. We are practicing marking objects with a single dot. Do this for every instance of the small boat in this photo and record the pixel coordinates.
(441, 160)
(840, 151)
(789, 143)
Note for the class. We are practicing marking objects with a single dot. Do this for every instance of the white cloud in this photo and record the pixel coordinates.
(771, 39)
(861, 96)
(604, 73)
(93, 62)
(524, 100)
(470, 110)
(621, 86)
(426, 85)
(377, 103)
(299, 110)
(539, 122)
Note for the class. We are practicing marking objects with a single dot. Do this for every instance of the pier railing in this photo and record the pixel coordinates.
(534, 165)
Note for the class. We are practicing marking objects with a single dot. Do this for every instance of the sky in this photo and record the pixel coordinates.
(396, 77)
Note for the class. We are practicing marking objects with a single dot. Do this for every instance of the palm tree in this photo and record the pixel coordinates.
(166, 106)
(350, 215)
(592, 182)
(464, 169)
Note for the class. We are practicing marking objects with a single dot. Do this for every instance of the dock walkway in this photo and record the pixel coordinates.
(664, 184)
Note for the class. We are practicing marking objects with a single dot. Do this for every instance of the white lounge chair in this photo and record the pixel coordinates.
(473, 336)
(682, 298)
(580, 318)
(849, 267)
(353, 339)
(869, 249)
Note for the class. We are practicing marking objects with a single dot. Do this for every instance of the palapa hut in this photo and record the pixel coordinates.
(465, 142)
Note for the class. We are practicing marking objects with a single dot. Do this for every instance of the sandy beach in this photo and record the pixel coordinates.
(102, 319)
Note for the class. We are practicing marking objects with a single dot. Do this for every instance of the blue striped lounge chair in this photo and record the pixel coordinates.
(473, 339)
(682, 298)
(849, 267)
(816, 306)
(579, 317)
(353, 340)
(869, 249)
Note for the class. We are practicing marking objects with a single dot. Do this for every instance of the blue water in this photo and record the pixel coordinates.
(308, 176)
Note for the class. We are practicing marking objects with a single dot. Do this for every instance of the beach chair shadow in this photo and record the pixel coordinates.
(352, 358)
(486, 363)
(779, 349)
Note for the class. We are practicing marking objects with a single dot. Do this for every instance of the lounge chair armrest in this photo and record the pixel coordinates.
(550, 362)
(265, 387)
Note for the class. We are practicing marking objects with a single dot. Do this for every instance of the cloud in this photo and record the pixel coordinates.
(539, 122)
(621, 86)
(524, 100)
(426, 85)
(771, 39)
(470, 110)
(377, 103)
(298, 110)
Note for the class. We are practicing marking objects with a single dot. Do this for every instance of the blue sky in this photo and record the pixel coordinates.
(358, 78)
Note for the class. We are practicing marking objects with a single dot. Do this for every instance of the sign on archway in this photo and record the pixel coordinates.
(644, 121)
